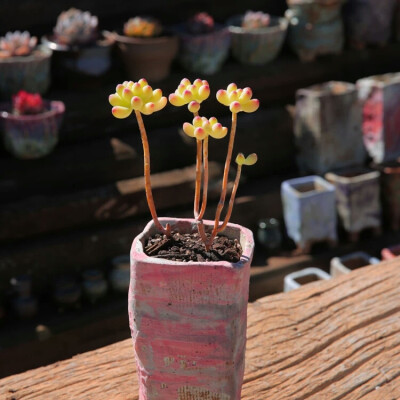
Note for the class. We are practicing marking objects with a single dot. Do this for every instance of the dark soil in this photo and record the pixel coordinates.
(189, 247)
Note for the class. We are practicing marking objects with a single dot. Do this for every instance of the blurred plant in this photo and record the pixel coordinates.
(25, 103)
(200, 23)
(17, 44)
(75, 27)
(141, 98)
(255, 19)
(142, 27)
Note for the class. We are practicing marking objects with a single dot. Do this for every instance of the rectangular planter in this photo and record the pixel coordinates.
(309, 211)
(346, 264)
(327, 127)
(380, 98)
(188, 320)
(303, 277)
(357, 199)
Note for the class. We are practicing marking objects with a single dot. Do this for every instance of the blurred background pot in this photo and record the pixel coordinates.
(257, 45)
(25, 306)
(315, 28)
(304, 277)
(346, 264)
(368, 21)
(390, 252)
(94, 284)
(66, 292)
(31, 136)
(30, 73)
(120, 274)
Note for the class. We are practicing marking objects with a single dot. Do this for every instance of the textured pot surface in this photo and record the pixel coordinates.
(258, 46)
(31, 136)
(188, 321)
(205, 53)
(380, 98)
(369, 22)
(149, 57)
(30, 73)
(316, 27)
(309, 210)
(357, 198)
(327, 127)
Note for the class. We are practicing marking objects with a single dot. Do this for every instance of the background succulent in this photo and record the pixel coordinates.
(17, 44)
(142, 27)
(200, 23)
(25, 103)
(255, 19)
(75, 27)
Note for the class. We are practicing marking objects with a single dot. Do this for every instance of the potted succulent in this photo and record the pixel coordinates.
(30, 125)
(146, 48)
(327, 127)
(303, 277)
(189, 284)
(368, 22)
(357, 199)
(204, 45)
(309, 211)
(78, 47)
(23, 64)
(316, 27)
(379, 96)
(257, 38)
(350, 262)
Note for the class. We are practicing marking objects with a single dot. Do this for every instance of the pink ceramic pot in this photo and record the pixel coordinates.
(188, 320)
(391, 252)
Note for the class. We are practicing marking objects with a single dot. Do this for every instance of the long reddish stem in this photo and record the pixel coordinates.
(221, 202)
(198, 179)
(205, 178)
(232, 200)
(147, 180)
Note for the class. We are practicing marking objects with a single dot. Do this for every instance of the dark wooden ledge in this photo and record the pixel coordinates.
(339, 339)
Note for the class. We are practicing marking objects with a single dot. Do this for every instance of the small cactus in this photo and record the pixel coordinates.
(25, 103)
(75, 27)
(17, 44)
(200, 23)
(142, 27)
(255, 19)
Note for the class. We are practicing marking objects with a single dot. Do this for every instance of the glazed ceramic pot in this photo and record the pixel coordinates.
(357, 199)
(30, 73)
(120, 274)
(346, 264)
(31, 136)
(380, 99)
(149, 57)
(315, 27)
(257, 46)
(188, 320)
(94, 284)
(303, 277)
(327, 127)
(309, 211)
(390, 252)
(204, 53)
(368, 22)
(67, 292)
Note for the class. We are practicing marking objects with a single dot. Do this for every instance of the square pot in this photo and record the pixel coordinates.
(303, 277)
(357, 198)
(346, 264)
(309, 210)
(380, 98)
(188, 320)
(327, 127)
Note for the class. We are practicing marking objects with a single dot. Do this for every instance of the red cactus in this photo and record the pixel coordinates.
(25, 103)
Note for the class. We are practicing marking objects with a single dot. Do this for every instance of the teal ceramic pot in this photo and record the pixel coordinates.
(30, 73)
(204, 53)
(257, 46)
(31, 136)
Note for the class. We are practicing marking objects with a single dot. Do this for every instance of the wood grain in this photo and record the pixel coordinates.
(335, 340)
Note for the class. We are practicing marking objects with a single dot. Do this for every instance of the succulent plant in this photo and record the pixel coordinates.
(142, 27)
(25, 103)
(200, 23)
(255, 19)
(75, 27)
(17, 44)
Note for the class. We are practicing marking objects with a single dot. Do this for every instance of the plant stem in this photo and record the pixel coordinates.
(198, 179)
(147, 180)
(232, 199)
(205, 178)
(221, 202)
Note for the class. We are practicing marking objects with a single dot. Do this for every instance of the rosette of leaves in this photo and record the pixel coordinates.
(17, 43)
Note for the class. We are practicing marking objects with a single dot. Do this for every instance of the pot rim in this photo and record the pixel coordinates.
(142, 40)
(280, 25)
(356, 254)
(56, 108)
(323, 89)
(290, 184)
(138, 254)
(50, 43)
(365, 175)
(380, 80)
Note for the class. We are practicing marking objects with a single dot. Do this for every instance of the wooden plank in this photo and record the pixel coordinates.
(338, 339)
(126, 198)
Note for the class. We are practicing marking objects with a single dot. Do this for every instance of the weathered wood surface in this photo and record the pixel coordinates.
(332, 340)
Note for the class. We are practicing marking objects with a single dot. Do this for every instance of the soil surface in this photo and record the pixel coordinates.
(189, 247)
